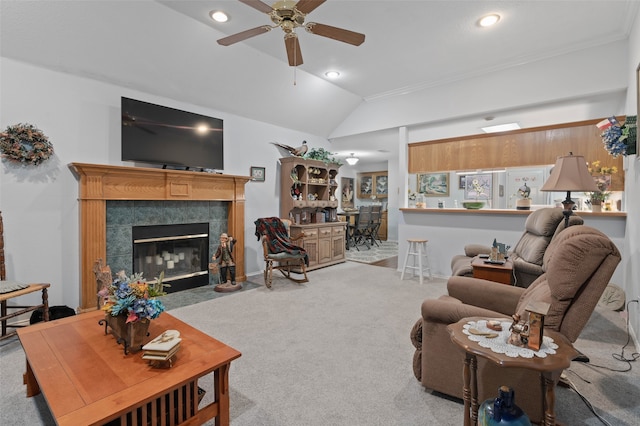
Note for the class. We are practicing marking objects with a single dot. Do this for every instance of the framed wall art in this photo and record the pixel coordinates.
(347, 192)
(433, 184)
(257, 174)
(478, 186)
(461, 181)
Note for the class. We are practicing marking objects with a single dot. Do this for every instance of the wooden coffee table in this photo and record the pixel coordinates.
(492, 272)
(86, 379)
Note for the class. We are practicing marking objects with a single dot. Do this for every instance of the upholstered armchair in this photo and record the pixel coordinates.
(541, 227)
(577, 267)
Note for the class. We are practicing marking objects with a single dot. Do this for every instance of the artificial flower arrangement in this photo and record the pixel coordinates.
(602, 177)
(25, 144)
(619, 139)
(133, 297)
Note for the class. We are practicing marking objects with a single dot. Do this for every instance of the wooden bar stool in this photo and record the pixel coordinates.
(418, 251)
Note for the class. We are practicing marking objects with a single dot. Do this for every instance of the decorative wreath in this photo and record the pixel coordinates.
(25, 144)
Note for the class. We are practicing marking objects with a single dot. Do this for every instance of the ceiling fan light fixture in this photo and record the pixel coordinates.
(289, 15)
(352, 160)
(332, 74)
(218, 16)
(489, 20)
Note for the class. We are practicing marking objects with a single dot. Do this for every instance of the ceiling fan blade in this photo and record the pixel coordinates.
(335, 33)
(226, 41)
(306, 6)
(258, 5)
(293, 49)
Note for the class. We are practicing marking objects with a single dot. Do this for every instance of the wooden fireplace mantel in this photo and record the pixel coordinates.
(100, 183)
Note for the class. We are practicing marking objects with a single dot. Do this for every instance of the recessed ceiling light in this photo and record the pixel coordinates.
(489, 20)
(332, 74)
(501, 128)
(218, 16)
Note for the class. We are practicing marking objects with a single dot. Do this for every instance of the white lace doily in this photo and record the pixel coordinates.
(499, 344)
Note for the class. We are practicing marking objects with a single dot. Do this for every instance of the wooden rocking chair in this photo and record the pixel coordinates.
(279, 250)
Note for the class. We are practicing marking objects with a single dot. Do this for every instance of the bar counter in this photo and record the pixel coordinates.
(505, 212)
(449, 230)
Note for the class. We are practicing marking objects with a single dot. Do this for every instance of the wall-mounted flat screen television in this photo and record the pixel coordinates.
(161, 135)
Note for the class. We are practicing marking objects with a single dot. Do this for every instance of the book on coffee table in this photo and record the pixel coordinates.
(159, 355)
(164, 342)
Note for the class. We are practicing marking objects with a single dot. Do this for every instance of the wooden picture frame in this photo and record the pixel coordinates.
(348, 193)
(257, 174)
(433, 184)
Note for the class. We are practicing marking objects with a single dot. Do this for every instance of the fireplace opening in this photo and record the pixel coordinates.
(181, 251)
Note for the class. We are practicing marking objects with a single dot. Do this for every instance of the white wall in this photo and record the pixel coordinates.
(551, 81)
(631, 261)
(448, 233)
(81, 117)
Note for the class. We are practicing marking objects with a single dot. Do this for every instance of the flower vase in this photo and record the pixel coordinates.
(596, 208)
(130, 334)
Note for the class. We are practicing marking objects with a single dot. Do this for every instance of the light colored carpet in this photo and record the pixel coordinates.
(385, 250)
(336, 351)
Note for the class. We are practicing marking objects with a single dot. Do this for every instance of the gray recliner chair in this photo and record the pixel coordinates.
(541, 227)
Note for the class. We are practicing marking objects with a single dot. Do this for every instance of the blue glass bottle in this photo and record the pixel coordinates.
(502, 410)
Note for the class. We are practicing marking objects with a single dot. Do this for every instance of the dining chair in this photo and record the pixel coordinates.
(359, 233)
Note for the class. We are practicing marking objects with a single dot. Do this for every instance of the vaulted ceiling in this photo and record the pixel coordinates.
(168, 48)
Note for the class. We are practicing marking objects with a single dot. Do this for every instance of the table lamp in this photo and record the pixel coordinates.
(570, 174)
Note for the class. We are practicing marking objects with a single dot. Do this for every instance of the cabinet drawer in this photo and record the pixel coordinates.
(311, 233)
(338, 230)
(325, 232)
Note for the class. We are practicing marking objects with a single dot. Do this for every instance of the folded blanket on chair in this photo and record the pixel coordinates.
(278, 238)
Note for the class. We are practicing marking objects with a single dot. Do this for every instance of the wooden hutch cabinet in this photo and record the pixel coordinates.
(308, 198)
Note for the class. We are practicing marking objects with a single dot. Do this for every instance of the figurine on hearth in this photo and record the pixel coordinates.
(224, 257)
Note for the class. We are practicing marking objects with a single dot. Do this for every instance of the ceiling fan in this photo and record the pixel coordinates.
(289, 15)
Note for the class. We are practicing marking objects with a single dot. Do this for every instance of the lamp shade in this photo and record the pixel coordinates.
(352, 160)
(570, 174)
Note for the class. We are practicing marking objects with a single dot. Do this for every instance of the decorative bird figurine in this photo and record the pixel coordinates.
(297, 152)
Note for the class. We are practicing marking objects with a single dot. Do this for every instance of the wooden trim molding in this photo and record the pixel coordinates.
(99, 183)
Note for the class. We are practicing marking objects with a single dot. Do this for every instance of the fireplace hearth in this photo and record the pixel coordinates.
(180, 250)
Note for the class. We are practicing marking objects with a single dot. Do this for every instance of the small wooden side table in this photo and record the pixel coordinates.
(4, 315)
(492, 271)
(550, 369)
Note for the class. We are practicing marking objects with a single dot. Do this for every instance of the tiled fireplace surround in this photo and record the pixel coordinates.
(114, 198)
(122, 216)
